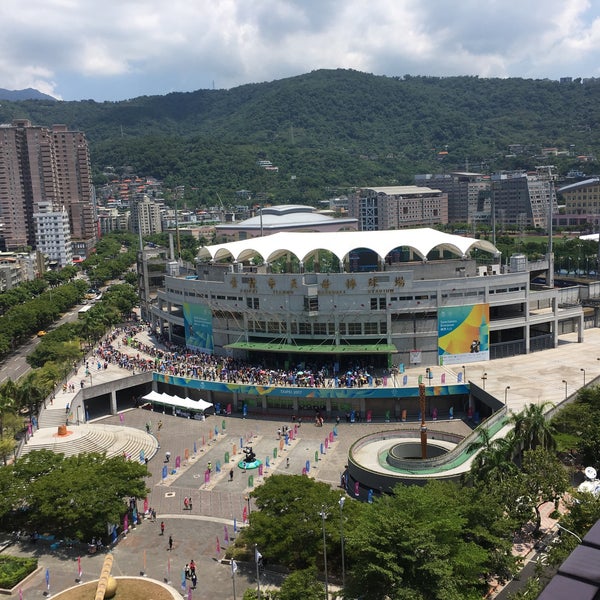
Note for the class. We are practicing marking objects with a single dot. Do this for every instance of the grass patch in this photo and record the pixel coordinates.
(14, 569)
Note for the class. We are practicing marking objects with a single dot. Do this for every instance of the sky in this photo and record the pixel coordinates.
(120, 49)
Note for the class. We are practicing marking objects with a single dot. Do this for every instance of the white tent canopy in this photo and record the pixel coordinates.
(177, 402)
(341, 243)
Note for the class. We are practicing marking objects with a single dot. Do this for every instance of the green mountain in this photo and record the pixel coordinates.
(330, 130)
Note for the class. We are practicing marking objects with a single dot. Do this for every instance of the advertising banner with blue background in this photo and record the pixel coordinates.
(198, 327)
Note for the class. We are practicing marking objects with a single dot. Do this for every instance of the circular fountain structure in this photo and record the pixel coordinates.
(379, 461)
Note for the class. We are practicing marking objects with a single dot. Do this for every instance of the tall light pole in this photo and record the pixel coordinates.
(569, 531)
(325, 552)
(583, 371)
(566, 388)
(342, 500)
(464, 374)
(506, 394)
(484, 379)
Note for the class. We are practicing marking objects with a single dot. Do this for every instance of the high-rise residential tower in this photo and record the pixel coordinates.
(49, 167)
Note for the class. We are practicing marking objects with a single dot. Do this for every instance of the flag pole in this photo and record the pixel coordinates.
(233, 569)
(257, 572)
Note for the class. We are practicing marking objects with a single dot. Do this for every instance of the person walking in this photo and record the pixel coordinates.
(170, 543)
(231, 475)
(162, 528)
(167, 456)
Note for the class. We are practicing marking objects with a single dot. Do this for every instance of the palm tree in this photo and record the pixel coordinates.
(532, 429)
(495, 462)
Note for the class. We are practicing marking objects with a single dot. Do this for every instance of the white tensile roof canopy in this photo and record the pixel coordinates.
(341, 243)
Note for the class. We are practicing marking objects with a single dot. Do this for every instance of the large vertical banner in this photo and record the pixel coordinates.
(463, 333)
(197, 320)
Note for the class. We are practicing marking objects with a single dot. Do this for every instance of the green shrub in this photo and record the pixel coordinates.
(14, 569)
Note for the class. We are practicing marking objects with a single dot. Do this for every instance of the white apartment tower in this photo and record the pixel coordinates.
(52, 234)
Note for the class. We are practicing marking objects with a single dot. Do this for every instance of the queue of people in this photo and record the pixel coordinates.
(123, 349)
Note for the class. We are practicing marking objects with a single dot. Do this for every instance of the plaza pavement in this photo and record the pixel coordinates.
(537, 377)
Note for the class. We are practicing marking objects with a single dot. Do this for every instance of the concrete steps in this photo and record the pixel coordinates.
(112, 439)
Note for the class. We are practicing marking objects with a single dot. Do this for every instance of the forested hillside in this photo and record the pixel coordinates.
(330, 130)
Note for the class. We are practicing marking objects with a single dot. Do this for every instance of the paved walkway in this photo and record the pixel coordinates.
(217, 504)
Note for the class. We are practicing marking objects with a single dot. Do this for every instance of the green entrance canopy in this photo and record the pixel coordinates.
(315, 348)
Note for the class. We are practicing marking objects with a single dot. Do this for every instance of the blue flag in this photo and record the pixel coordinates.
(48, 578)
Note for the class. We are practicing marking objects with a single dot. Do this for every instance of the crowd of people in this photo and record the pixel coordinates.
(122, 348)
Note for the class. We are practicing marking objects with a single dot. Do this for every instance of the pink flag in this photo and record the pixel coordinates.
(79, 572)
(245, 515)
(145, 505)
(218, 546)
(121, 417)
(20, 594)
(125, 523)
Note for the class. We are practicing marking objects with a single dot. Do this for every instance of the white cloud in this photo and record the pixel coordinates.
(121, 48)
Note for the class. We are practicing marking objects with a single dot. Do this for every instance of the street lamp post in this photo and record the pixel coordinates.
(464, 374)
(342, 500)
(583, 371)
(484, 379)
(506, 394)
(325, 553)
(566, 388)
(569, 531)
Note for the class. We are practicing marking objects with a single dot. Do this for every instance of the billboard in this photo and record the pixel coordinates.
(197, 320)
(463, 334)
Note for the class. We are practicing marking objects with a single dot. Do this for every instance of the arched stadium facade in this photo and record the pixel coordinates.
(386, 299)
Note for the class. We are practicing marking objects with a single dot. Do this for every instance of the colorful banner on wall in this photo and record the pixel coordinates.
(340, 393)
(198, 327)
(463, 334)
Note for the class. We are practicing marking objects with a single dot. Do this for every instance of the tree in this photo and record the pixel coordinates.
(73, 497)
(302, 585)
(494, 463)
(542, 479)
(532, 428)
(287, 527)
(417, 543)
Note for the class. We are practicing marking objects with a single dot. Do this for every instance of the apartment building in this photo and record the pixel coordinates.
(44, 165)
(398, 207)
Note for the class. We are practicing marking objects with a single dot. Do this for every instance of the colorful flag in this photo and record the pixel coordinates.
(218, 546)
(79, 571)
(183, 579)
(20, 594)
(233, 567)
(48, 578)
(226, 534)
(245, 515)
(234, 525)
(121, 417)
(146, 505)
(257, 555)
(189, 595)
